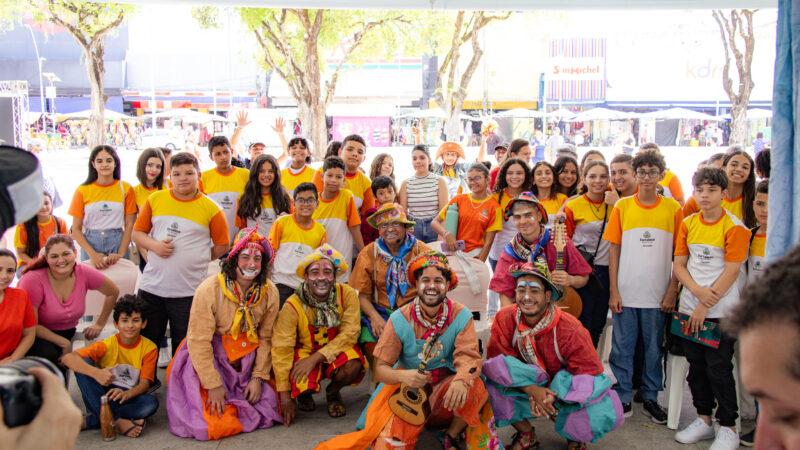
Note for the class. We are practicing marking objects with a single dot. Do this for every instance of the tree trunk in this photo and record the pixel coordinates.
(738, 125)
(93, 61)
(312, 122)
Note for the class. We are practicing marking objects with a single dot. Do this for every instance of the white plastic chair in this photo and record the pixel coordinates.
(677, 370)
(476, 302)
(213, 268)
(604, 344)
(125, 275)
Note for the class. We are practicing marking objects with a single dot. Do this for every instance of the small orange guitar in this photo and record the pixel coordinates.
(411, 404)
(570, 300)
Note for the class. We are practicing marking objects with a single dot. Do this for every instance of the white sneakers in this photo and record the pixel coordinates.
(726, 439)
(695, 432)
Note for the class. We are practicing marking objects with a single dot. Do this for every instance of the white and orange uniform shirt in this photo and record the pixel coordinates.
(358, 184)
(646, 236)
(507, 229)
(552, 205)
(192, 225)
(290, 179)
(264, 221)
(292, 243)
(585, 224)
(672, 185)
(756, 260)
(337, 216)
(225, 190)
(709, 246)
(733, 205)
(103, 207)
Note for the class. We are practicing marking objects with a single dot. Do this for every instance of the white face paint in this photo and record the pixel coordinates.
(249, 263)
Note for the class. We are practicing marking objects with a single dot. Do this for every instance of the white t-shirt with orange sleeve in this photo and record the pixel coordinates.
(672, 185)
(646, 236)
(292, 243)
(193, 225)
(709, 246)
(757, 260)
(103, 207)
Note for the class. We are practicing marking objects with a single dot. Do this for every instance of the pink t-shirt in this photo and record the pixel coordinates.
(53, 313)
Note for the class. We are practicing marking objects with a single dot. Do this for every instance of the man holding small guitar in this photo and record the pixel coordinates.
(435, 333)
(567, 266)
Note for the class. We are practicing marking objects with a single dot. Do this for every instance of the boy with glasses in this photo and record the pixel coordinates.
(294, 237)
(642, 232)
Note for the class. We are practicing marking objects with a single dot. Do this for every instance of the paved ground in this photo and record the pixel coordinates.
(312, 428)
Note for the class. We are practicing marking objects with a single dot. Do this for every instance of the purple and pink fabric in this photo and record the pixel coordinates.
(587, 407)
(188, 415)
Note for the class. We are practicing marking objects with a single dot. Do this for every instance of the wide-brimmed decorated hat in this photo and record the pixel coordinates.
(249, 238)
(431, 258)
(389, 212)
(450, 147)
(526, 196)
(539, 269)
(324, 251)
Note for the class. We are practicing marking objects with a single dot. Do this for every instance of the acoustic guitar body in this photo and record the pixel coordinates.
(571, 303)
(411, 404)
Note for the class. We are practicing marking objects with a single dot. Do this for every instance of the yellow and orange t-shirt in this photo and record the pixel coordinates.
(672, 185)
(264, 220)
(192, 225)
(757, 259)
(141, 192)
(225, 189)
(732, 205)
(709, 246)
(292, 243)
(54, 225)
(128, 364)
(646, 236)
(358, 183)
(585, 224)
(337, 216)
(103, 207)
(475, 219)
(291, 179)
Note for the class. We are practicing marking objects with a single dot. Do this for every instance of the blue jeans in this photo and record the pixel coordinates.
(139, 407)
(595, 303)
(103, 241)
(627, 326)
(423, 230)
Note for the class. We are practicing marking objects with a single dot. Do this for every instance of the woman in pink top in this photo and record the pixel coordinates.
(57, 288)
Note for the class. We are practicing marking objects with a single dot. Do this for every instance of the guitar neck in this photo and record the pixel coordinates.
(559, 260)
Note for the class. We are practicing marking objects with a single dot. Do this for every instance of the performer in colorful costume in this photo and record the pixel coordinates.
(380, 271)
(541, 362)
(458, 399)
(315, 337)
(217, 383)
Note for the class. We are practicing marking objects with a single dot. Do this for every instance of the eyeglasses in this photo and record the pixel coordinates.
(651, 174)
(475, 179)
(387, 225)
(305, 201)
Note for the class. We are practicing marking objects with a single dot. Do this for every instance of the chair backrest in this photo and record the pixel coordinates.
(213, 268)
(463, 293)
(124, 274)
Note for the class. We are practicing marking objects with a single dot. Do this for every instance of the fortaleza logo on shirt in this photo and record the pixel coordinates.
(105, 209)
(757, 265)
(298, 251)
(484, 215)
(226, 202)
(173, 230)
(705, 256)
(647, 240)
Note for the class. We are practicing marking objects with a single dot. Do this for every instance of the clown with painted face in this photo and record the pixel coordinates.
(227, 351)
(458, 396)
(315, 337)
(540, 364)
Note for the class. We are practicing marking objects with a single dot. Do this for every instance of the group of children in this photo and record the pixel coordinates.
(627, 219)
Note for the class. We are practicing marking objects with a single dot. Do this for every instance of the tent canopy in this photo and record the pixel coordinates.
(520, 113)
(187, 115)
(84, 115)
(677, 113)
(601, 114)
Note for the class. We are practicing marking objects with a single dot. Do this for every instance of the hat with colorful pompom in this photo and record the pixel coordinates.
(324, 251)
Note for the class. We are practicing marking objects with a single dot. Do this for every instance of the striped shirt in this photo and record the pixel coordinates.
(423, 196)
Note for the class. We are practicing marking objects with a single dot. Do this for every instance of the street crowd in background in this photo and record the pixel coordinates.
(272, 276)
